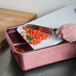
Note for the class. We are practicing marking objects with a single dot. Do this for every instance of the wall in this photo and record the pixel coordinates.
(41, 7)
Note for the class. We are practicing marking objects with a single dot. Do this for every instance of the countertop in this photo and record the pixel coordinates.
(9, 67)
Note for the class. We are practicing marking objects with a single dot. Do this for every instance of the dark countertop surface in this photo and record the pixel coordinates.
(9, 67)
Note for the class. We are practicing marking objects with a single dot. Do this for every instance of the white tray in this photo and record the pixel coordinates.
(53, 20)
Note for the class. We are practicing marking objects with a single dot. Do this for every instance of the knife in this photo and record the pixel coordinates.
(41, 28)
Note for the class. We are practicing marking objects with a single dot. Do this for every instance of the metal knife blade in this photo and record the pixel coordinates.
(41, 28)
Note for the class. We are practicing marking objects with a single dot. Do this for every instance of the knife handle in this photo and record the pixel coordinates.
(55, 29)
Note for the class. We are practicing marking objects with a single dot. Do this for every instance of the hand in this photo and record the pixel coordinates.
(67, 32)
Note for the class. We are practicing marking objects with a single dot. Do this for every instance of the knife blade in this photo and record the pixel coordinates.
(41, 28)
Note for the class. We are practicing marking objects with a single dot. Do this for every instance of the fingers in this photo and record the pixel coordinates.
(58, 33)
(59, 36)
(67, 32)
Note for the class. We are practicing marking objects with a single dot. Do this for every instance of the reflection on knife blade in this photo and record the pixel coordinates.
(41, 28)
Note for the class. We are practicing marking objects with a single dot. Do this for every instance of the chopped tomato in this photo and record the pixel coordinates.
(19, 50)
(23, 35)
(23, 32)
(24, 27)
(37, 35)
